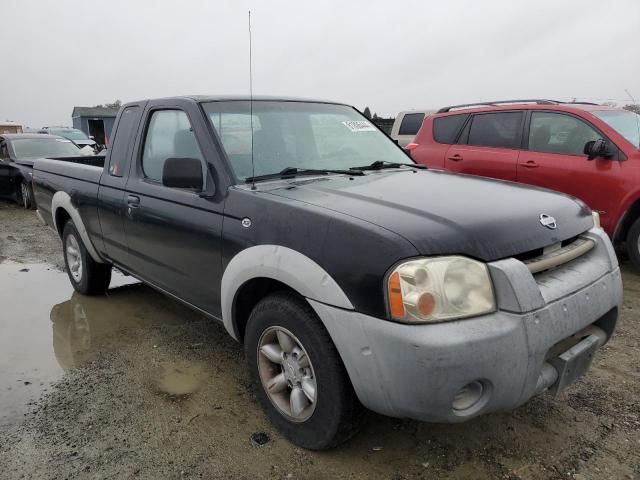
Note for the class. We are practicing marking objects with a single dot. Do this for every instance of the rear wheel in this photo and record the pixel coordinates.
(26, 196)
(298, 375)
(86, 275)
(633, 244)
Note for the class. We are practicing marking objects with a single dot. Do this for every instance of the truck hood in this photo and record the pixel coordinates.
(442, 213)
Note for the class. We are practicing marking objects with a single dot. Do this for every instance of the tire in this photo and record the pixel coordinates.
(86, 275)
(25, 196)
(633, 244)
(334, 415)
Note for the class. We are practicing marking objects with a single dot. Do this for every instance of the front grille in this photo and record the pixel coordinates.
(553, 256)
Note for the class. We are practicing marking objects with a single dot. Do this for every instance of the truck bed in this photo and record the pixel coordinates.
(78, 177)
(93, 160)
(88, 169)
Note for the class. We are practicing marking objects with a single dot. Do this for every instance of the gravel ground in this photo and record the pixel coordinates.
(152, 390)
(24, 239)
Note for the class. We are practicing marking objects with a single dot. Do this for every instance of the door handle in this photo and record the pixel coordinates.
(133, 200)
(455, 158)
(529, 164)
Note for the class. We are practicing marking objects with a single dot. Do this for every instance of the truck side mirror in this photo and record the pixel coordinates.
(597, 148)
(183, 173)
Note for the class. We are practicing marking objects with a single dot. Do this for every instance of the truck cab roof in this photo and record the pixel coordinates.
(245, 98)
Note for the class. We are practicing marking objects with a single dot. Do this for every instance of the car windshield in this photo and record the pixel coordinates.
(26, 148)
(70, 133)
(302, 135)
(625, 122)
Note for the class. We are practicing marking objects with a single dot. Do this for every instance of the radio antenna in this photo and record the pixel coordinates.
(630, 96)
(253, 165)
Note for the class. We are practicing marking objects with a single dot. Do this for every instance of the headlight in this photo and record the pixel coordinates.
(439, 288)
(596, 219)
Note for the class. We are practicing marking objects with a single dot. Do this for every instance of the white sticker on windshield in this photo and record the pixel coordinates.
(359, 126)
(63, 140)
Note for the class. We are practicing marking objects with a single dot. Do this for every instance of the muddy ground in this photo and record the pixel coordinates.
(134, 385)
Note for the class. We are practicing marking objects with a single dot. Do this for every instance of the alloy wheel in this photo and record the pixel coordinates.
(74, 257)
(25, 195)
(287, 374)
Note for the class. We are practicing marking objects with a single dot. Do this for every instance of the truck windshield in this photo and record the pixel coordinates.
(625, 122)
(27, 148)
(70, 133)
(302, 135)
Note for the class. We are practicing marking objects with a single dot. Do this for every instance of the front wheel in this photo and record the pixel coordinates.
(86, 275)
(299, 377)
(26, 196)
(633, 244)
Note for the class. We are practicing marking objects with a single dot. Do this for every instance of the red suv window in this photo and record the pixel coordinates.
(445, 129)
(559, 133)
(501, 129)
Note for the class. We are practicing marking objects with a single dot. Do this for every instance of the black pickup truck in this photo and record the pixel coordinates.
(352, 275)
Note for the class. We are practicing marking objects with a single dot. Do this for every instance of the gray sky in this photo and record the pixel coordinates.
(390, 55)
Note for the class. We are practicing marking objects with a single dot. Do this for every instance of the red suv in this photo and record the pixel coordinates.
(587, 150)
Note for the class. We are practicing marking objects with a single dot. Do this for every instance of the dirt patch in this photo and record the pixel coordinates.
(24, 239)
(151, 389)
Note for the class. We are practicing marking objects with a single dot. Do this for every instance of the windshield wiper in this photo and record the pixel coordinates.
(291, 172)
(380, 164)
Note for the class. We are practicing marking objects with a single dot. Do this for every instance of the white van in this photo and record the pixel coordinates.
(407, 125)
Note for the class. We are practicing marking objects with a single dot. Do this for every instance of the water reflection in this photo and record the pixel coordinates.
(131, 315)
(84, 326)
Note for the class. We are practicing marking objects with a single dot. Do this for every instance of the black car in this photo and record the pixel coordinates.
(76, 136)
(18, 151)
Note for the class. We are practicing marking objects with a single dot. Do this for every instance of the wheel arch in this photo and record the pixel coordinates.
(63, 210)
(631, 214)
(60, 218)
(248, 296)
(259, 270)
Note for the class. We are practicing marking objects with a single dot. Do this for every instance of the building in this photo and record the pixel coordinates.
(96, 122)
(10, 127)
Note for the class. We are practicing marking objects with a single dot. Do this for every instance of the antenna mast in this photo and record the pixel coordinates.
(630, 96)
(253, 165)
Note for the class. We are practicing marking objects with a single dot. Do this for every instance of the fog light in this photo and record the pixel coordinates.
(468, 396)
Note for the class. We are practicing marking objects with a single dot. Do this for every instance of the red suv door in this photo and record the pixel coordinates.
(488, 146)
(555, 159)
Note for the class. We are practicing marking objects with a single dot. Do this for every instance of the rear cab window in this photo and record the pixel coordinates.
(119, 160)
(411, 123)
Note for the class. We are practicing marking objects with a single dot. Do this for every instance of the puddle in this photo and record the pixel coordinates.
(44, 330)
(85, 326)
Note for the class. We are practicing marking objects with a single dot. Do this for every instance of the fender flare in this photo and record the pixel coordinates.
(63, 200)
(284, 265)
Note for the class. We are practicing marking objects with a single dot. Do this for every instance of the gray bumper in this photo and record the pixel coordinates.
(416, 371)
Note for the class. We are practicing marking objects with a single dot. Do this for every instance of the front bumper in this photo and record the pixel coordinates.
(419, 371)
